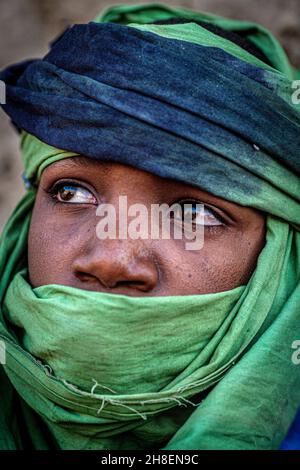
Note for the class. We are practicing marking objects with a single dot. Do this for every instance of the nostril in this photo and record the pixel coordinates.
(118, 271)
(108, 284)
(111, 284)
(133, 284)
(85, 277)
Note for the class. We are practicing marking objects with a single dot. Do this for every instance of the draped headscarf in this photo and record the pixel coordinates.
(181, 102)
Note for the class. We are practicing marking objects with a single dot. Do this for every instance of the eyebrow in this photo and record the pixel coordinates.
(82, 162)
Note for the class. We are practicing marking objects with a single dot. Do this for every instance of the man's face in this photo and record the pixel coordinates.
(63, 246)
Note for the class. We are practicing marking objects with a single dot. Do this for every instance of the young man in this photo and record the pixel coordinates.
(138, 343)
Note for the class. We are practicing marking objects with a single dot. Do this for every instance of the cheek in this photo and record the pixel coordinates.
(223, 263)
(53, 242)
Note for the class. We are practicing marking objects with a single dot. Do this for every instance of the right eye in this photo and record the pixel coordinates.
(72, 193)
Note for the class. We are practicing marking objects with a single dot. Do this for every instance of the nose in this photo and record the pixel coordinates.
(117, 265)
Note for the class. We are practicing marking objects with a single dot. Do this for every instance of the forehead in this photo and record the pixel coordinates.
(111, 172)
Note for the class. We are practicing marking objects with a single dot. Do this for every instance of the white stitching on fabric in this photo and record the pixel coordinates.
(99, 385)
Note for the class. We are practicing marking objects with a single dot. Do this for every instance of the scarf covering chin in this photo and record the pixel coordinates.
(182, 103)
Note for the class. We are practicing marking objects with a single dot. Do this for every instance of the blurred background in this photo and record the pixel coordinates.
(27, 26)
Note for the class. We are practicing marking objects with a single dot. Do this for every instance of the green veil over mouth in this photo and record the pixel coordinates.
(88, 370)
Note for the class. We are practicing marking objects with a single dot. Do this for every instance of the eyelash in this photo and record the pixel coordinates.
(211, 228)
(53, 191)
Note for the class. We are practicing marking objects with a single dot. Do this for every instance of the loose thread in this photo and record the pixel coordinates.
(186, 387)
(47, 369)
(71, 386)
(100, 385)
(191, 403)
(115, 402)
(181, 401)
(102, 406)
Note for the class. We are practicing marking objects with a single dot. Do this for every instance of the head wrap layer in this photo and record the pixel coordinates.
(182, 103)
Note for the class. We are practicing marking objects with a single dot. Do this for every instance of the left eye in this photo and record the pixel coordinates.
(192, 211)
(73, 194)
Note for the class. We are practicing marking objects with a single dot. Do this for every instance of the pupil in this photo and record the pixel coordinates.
(67, 194)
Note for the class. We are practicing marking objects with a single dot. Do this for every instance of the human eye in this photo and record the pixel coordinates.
(196, 212)
(72, 193)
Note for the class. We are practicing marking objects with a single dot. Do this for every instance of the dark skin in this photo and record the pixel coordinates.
(63, 247)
